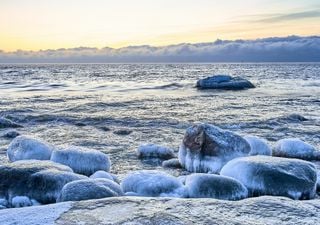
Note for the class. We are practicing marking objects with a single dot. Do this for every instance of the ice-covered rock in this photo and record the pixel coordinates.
(266, 175)
(295, 148)
(224, 82)
(6, 123)
(82, 160)
(4, 203)
(11, 134)
(104, 174)
(171, 163)
(258, 146)
(215, 186)
(24, 147)
(37, 179)
(21, 201)
(89, 189)
(154, 151)
(151, 183)
(206, 148)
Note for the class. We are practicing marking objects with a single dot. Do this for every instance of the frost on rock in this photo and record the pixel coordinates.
(21, 201)
(207, 148)
(172, 163)
(152, 183)
(258, 146)
(295, 148)
(89, 189)
(82, 160)
(104, 174)
(3, 203)
(24, 178)
(215, 186)
(154, 151)
(266, 175)
(24, 147)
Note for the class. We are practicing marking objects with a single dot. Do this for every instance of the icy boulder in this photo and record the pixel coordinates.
(151, 183)
(295, 148)
(21, 201)
(154, 151)
(224, 82)
(104, 174)
(206, 148)
(266, 175)
(89, 189)
(37, 179)
(82, 160)
(24, 147)
(258, 146)
(172, 163)
(215, 186)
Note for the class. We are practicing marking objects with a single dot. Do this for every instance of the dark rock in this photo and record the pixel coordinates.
(172, 163)
(224, 82)
(122, 132)
(6, 123)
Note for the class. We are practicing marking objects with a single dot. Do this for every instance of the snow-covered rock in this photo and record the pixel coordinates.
(154, 151)
(82, 160)
(295, 148)
(224, 82)
(258, 146)
(207, 148)
(215, 186)
(24, 147)
(104, 174)
(89, 189)
(151, 183)
(3, 203)
(21, 201)
(10, 134)
(171, 163)
(266, 175)
(6, 123)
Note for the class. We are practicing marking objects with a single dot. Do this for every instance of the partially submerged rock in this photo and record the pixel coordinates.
(154, 151)
(24, 147)
(172, 163)
(11, 134)
(6, 123)
(258, 146)
(207, 148)
(224, 82)
(265, 175)
(215, 186)
(295, 148)
(151, 183)
(82, 160)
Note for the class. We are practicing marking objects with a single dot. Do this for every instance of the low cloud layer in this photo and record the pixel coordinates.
(287, 49)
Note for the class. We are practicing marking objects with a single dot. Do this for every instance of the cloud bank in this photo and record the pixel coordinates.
(275, 49)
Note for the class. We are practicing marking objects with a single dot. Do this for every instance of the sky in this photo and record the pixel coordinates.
(54, 24)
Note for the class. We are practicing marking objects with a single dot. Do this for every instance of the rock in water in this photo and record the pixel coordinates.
(172, 163)
(266, 175)
(82, 160)
(151, 183)
(295, 148)
(215, 186)
(224, 82)
(207, 148)
(155, 151)
(258, 146)
(5, 123)
(89, 189)
(24, 147)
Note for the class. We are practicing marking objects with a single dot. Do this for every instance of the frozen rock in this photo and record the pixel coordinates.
(295, 148)
(24, 147)
(224, 82)
(215, 186)
(154, 151)
(4, 203)
(6, 123)
(172, 163)
(266, 175)
(90, 189)
(258, 146)
(297, 117)
(82, 160)
(104, 174)
(11, 134)
(206, 148)
(152, 183)
(21, 201)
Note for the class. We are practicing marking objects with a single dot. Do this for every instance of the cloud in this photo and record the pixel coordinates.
(289, 16)
(274, 49)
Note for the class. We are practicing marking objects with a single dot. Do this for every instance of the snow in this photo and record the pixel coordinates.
(154, 151)
(89, 189)
(24, 147)
(82, 160)
(152, 183)
(266, 175)
(295, 148)
(258, 146)
(215, 186)
(21, 201)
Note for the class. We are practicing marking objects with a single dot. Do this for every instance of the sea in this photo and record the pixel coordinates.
(114, 108)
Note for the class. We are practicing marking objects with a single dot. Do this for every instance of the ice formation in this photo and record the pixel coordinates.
(295, 148)
(258, 146)
(154, 151)
(207, 148)
(171, 163)
(266, 175)
(21, 201)
(215, 186)
(89, 189)
(104, 174)
(82, 160)
(24, 147)
(152, 183)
